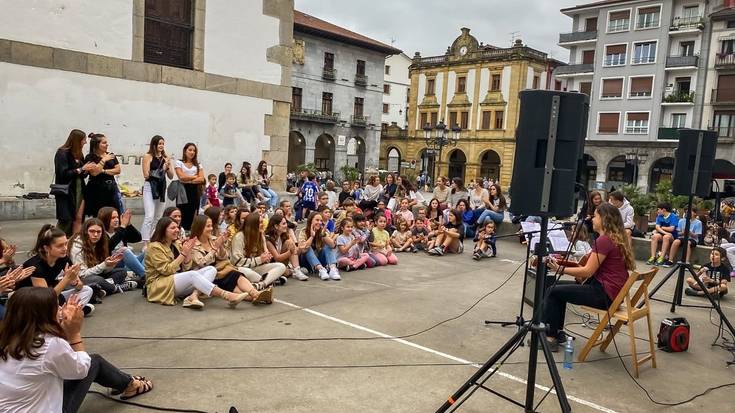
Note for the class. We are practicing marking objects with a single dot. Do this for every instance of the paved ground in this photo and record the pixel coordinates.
(340, 375)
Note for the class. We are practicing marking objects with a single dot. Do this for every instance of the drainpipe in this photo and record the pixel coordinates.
(697, 121)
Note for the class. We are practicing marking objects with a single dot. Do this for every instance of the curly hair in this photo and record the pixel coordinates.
(612, 226)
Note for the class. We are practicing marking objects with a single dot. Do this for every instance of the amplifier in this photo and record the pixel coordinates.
(531, 285)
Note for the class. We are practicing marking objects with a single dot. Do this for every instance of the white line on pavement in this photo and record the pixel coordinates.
(438, 353)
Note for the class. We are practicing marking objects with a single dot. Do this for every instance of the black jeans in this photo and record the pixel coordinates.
(100, 372)
(591, 294)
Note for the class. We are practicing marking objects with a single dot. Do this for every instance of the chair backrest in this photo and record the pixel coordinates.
(624, 294)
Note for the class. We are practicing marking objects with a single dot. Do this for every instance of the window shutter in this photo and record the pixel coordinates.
(641, 84)
(616, 49)
(619, 15)
(638, 116)
(612, 87)
(586, 88)
(609, 122)
(647, 10)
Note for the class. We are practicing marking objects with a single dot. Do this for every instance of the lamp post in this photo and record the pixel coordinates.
(436, 139)
(636, 158)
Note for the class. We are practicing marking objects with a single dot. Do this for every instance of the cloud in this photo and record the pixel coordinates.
(430, 27)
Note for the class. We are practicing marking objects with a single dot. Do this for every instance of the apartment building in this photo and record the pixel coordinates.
(641, 63)
(337, 96)
(396, 85)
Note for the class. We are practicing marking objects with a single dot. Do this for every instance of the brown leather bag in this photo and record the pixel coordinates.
(224, 267)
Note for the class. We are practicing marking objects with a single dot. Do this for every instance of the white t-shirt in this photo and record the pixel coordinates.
(333, 201)
(38, 385)
(193, 171)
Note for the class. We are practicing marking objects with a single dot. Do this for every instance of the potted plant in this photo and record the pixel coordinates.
(349, 173)
(642, 205)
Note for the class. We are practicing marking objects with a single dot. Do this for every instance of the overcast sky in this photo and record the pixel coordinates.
(429, 26)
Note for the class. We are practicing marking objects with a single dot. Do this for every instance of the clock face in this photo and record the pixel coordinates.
(463, 50)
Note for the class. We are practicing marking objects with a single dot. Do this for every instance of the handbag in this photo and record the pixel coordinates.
(157, 174)
(224, 268)
(59, 189)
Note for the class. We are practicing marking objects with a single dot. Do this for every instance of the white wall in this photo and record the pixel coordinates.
(40, 107)
(399, 83)
(91, 26)
(451, 87)
(419, 98)
(236, 37)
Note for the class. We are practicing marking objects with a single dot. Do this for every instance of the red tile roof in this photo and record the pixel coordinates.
(305, 23)
(602, 3)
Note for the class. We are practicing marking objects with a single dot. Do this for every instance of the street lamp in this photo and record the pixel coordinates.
(636, 158)
(436, 139)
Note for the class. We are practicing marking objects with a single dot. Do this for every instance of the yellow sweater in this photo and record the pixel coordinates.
(159, 271)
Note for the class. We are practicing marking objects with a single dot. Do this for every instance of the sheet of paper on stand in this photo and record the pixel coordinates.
(557, 236)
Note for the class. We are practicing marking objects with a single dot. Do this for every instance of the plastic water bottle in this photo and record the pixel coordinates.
(568, 353)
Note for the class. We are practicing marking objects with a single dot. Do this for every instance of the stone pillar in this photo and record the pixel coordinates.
(339, 160)
(644, 173)
(309, 155)
(601, 173)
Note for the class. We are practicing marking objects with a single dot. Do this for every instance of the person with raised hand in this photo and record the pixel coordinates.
(44, 341)
(53, 268)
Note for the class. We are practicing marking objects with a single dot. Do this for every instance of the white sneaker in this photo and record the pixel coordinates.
(334, 274)
(323, 274)
(299, 275)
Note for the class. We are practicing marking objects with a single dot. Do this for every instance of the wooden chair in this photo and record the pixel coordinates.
(623, 310)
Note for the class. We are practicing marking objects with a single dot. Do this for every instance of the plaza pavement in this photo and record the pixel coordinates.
(315, 376)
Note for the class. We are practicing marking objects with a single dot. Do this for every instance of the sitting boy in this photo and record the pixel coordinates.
(695, 233)
(664, 233)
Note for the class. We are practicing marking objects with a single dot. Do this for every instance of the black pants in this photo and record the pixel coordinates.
(190, 209)
(100, 372)
(591, 294)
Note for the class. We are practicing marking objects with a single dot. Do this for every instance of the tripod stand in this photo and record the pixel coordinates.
(538, 338)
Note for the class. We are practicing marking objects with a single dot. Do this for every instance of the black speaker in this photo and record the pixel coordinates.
(532, 144)
(685, 162)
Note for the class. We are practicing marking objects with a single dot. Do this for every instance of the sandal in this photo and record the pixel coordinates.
(118, 392)
(144, 387)
(234, 299)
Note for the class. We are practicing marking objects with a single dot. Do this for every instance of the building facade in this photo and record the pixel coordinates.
(337, 96)
(396, 85)
(646, 67)
(475, 87)
(217, 74)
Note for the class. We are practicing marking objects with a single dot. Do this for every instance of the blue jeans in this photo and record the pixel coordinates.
(490, 215)
(325, 257)
(2, 311)
(133, 262)
(271, 196)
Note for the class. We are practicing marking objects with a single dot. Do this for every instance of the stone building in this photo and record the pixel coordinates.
(214, 73)
(474, 86)
(337, 96)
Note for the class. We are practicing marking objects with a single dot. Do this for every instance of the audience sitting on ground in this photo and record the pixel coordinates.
(617, 199)
(715, 275)
(250, 255)
(695, 235)
(120, 233)
(420, 235)
(175, 214)
(89, 248)
(165, 258)
(401, 240)
(52, 268)
(665, 233)
(316, 248)
(450, 235)
(485, 242)
(209, 250)
(282, 246)
(362, 233)
(350, 255)
(43, 363)
(380, 248)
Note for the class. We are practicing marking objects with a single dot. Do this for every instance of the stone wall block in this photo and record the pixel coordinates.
(276, 126)
(182, 77)
(218, 83)
(31, 55)
(4, 50)
(249, 88)
(104, 66)
(70, 60)
(144, 72)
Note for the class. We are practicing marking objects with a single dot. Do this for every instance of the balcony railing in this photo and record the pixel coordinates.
(314, 115)
(573, 69)
(329, 73)
(724, 60)
(614, 60)
(361, 80)
(723, 96)
(577, 36)
(668, 133)
(682, 61)
(496, 54)
(684, 23)
(644, 59)
(679, 97)
(359, 120)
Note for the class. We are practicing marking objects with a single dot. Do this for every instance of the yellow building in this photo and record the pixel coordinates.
(476, 87)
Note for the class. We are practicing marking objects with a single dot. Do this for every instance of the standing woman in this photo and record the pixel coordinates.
(264, 180)
(156, 166)
(191, 174)
(69, 173)
(101, 190)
